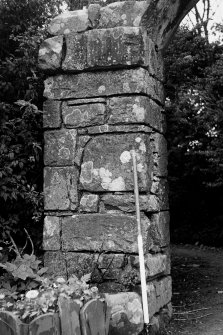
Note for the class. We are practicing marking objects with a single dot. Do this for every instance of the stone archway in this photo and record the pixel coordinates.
(105, 97)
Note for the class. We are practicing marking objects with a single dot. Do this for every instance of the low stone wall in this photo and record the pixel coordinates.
(104, 98)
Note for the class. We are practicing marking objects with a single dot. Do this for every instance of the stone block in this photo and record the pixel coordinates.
(50, 53)
(81, 143)
(51, 114)
(125, 13)
(51, 233)
(134, 109)
(103, 83)
(83, 115)
(120, 46)
(161, 189)
(89, 203)
(158, 231)
(56, 263)
(159, 148)
(156, 264)
(60, 188)
(94, 14)
(126, 313)
(79, 264)
(60, 147)
(76, 52)
(101, 232)
(107, 163)
(126, 202)
(85, 101)
(102, 267)
(154, 60)
(105, 128)
(69, 21)
(163, 288)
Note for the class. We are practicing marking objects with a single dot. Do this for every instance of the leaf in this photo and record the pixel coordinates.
(42, 271)
(86, 278)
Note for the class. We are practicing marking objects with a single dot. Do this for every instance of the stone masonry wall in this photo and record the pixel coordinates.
(104, 97)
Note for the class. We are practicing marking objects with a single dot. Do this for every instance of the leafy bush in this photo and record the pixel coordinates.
(26, 291)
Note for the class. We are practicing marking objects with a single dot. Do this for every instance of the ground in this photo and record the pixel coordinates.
(197, 274)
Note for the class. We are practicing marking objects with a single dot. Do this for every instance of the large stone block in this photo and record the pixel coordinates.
(163, 289)
(51, 233)
(50, 53)
(104, 83)
(126, 202)
(159, 294)
(60, 188)
(101, 266)
(158, 231)
(125, 13)
(83, 115)
(60, 147)
(76, 52)
(52, 114)
(126, 313)
(134, 109)
(101, 232)
(67, 22)
(107, 163)
(56, 263)
(121, 46)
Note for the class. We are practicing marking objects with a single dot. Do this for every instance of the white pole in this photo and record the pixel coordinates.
(140, 245)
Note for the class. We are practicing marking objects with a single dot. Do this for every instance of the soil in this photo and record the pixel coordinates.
(197, 291)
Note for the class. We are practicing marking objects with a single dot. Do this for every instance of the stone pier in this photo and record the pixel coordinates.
(104, 98)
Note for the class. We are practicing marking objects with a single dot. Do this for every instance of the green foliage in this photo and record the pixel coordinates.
(45, 299)
(26, 290)
(22, 29)
(194, 86)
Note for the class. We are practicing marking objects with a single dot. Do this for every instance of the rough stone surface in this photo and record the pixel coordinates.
(134, 109)
(81, 143)
(156, 264)
(83, 115)
(51, 114)
(126, 202)
(159, 148)
(51, 233)
(107, 163)
(94, 14)
(158, 232)
(94, 84)
(161, 189)
(56, 263)
(126, 313)
(159, 294)
(92, 232)
(104, 48)
(154, 60)
(126, 13)
(105, 128)
(85, 101)
(102, 266)
(50, 53)
(67, 22)
(89, 203)
(60, 147)
(60, 188)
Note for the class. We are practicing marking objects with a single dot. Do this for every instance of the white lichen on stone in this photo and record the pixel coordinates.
(125, 157)
(139, 112)
(101, 89)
